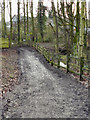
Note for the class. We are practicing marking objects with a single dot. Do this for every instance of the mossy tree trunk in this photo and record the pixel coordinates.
(86, 26)
(82, 29)
(82, 37)
(24, 19)
(64, 24)
(77, 18)
(55, 19)
(27, 19)
(71, 27)
(41, 19)
(3, 20)
(88, 45)
(32, 20)
(77, 26)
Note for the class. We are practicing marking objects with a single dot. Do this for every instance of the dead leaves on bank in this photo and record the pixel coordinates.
(10, 70)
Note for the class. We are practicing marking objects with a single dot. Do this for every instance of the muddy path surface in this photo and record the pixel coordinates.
(44, 91)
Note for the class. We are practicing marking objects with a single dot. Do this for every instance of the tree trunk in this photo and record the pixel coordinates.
(82, 29)
(3, 20)
(27, 18)
(56, 27)
(77, 18)
(32, 18)
(24, 19)
(65, 27)
(10, 26)
(71, 28)
(18, 22)
(77, 27)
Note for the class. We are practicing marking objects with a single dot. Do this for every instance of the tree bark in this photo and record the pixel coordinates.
(82, 29)
(18, 22)
(56, 27)
(24, 19)
(27, 18)
(3, 20)
(10, 25)
(32, 18)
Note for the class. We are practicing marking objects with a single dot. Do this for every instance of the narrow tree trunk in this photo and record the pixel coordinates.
(24, 19)
(82, 29)
(32, 18)
(66, 37)
(77, 26)
(27, 18)
(3, 20)
(56, 27)
(88, 44)
(10, 26)
(18, 22)
(41, 22)
(71, 28)
(77, 19)
(86, 26)
(57, 42)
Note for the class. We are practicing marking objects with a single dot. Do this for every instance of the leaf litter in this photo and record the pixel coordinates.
(10, 70)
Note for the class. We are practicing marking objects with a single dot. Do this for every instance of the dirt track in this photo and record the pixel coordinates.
(44, 91)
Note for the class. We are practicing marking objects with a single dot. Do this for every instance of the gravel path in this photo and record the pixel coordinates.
(44, 91)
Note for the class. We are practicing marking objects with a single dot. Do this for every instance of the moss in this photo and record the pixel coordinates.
(4, 43)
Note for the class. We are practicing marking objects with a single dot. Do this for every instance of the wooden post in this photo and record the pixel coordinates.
(58, 61)
(52, 59)
(36, 40)
(18, 22)
(37, 46)
(81, 67)
(68, 59)
(48, 53)
(10, 25)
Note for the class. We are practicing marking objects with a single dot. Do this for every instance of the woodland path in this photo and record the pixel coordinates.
(45, 91)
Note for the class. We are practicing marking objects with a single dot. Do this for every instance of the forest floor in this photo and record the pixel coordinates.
(10, 69)
(34, 89)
